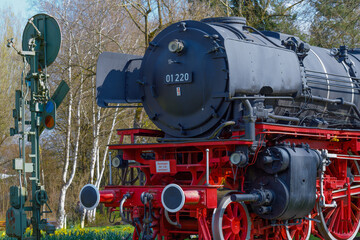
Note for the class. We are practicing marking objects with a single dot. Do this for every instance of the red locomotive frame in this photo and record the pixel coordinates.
(336, 217)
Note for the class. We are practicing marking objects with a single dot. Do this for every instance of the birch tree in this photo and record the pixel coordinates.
(66, 177)
(70, 43)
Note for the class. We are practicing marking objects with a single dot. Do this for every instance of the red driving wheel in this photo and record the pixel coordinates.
(231, 221)
(341, 222)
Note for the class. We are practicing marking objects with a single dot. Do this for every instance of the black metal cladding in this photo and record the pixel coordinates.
(290, 174)
(116, 79)
(213, 50)
(222, 62)
(187, 91)
(186, 108)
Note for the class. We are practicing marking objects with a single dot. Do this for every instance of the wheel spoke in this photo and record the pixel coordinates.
(292, 234)
(224, 227)
(229, 211)
(353, 206)
(353, 217)
(227, 234)
(236, 210)
(334, 218)
(329, 214)
(226, 220)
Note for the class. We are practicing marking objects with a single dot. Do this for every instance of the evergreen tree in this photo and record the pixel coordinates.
(335, 23)
(274, 15)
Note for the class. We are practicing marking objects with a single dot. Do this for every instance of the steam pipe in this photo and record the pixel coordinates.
(321, 99)
(278, 117)
(121, 209)
(261, 34)
(249, 121)
(171, 221)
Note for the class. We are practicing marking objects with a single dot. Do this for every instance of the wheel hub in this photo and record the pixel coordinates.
(235, 226)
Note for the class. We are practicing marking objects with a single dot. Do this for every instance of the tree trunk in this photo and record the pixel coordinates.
(61, 208)
(67, 181)
(103, 163)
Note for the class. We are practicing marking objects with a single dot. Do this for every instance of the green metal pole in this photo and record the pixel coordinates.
(39, 32)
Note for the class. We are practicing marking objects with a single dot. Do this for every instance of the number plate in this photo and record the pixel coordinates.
(176, 78)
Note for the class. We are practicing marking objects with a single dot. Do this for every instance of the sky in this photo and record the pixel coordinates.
(21, 8)
(22, 12)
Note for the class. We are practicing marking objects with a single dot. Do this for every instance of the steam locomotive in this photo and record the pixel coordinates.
(259, 135)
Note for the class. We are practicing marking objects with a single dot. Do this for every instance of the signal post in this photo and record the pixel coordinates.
(41, 44)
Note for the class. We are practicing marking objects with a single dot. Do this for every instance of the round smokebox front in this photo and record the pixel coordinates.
(184, 72)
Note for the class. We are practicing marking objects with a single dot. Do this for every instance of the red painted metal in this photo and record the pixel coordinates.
(184, 163)
(107, 196)
(204, 231)
(195, 196)
(138, 132)
(192, 197)
(151, 146)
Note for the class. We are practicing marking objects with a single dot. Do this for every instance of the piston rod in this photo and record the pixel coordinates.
(245, 197)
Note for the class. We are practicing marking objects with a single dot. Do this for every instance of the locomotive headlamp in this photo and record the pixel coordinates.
(238, 158)
(176, 46)
(119, 162)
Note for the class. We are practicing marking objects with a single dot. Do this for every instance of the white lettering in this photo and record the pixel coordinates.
(162, 166)
(178, 78)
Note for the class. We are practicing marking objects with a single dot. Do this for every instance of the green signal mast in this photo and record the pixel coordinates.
(34, 111)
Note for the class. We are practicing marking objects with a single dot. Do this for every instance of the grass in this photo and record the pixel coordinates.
(91, 233)
(101, 233)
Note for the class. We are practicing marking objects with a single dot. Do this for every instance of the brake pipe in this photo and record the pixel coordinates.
(121, 210)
